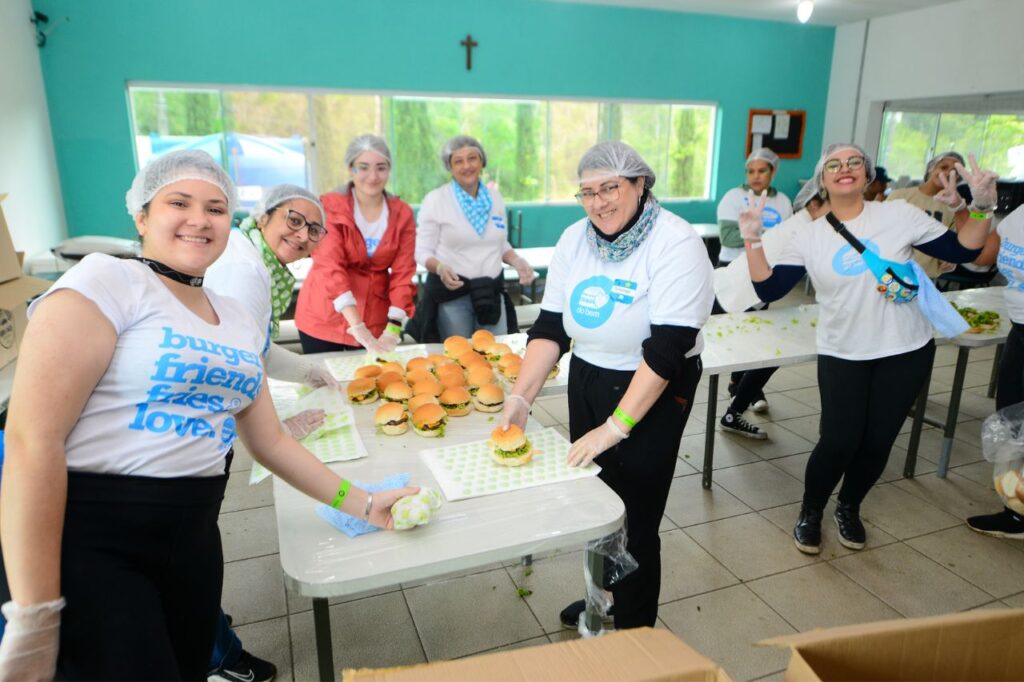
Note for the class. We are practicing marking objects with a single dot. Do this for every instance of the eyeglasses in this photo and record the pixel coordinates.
(366, 168)
(608, 193)
(296, 221)
(853, 163)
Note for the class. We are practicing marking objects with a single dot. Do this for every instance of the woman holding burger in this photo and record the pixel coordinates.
(630, 287)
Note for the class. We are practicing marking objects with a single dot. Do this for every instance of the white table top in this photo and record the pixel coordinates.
(988, 298)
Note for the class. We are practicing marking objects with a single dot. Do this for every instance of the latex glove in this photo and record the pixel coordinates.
(948, 196)
(752, 217)
(380, 512)
(592, 444)
(365, 339)
(389, 340)
(449, 278)
(31, 640)
(526, 273)
(982, 184)
(516, 411)
(304, 423)
(319, 375)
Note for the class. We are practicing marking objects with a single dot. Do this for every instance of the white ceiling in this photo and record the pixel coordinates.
(826, 12)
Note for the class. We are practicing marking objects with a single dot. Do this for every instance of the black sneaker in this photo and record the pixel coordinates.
(848, 523)
(734, 422)
(570, 615)
(248, 668)
(1005, 524)
(807, 532)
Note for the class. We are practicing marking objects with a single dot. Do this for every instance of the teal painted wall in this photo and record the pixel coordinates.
(527, 47)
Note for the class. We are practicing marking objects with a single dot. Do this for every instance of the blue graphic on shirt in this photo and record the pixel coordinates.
(848, 262)
(371, 246)
(770, 217)
(1011, 263)
(499, 222)
(194, 386)
(592, 301)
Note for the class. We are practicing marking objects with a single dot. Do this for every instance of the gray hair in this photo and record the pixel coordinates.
(460, 142)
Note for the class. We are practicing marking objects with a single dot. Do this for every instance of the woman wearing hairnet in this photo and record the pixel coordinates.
(462, 240)
(630, 286)
(360, 291)
(117, 454)
(873, 352)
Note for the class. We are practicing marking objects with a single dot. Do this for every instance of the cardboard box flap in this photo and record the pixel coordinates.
(631, 655)
(9, 266)
(24, 288)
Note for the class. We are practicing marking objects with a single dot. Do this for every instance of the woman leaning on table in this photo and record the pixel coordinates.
(873, 353)
(116, 456)
(462, 240)
(630, 287)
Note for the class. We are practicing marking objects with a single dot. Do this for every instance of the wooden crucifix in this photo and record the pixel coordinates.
(469, 44)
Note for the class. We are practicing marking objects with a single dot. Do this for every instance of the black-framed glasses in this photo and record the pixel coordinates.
(608, 193)
(296, 221)
(853, 163)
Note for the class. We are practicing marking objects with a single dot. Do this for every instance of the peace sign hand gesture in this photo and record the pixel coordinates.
(948, 195)
(752, 217)
(982, 184)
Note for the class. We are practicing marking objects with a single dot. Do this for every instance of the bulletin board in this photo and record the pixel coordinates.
(781, 130)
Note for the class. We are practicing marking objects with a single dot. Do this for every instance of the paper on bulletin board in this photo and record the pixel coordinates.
(762, 123)
(757, 141)
(781, 126)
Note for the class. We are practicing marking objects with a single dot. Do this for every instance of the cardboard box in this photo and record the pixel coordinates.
(15, 292)
(9, 267)
(978, 645)
(642, 655)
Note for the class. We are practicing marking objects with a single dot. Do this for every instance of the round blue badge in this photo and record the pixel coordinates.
(591, 302)
(770, 218)
(849, 263)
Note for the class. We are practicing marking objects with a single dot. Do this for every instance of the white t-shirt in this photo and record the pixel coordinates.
(733, 287)
(608, 308)
(1011, 261)
(240, 274)
(855, 322)
(372, 232)
(776, 210)
(165, 405)
(443, 232)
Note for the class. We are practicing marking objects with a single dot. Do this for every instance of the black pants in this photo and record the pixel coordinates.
(141, 569)
(1010, 390)
(749, 385)
(311, 344)
(863, 406)
(639, 470)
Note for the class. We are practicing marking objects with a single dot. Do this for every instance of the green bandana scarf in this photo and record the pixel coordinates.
(282, 281)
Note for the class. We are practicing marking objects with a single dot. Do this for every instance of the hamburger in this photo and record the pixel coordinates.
(489, 398)
(455, 401)
(454, 346)
(478, 376)
(510, 448)
(419, 363)
(481, 340)
(429, 421)
(368, 371)
(470, 358)
(453, 368)
(507, 359)
(452, 379)
(362, 391)
(391, 419)
(387, 378)
(438, 360)
(512, 370)
(393, 367)
(430, 386)
(554, 372)
(418, 401)
(496, 350)
(397, 392)
(417, 375)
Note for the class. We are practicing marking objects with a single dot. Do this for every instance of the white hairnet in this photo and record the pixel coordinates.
(366, 143)
(460, 142)
(186, 164)
(278, 194)
(766, 155)
(810, 190)
(939, 157)
(617, 158)
(819, 170)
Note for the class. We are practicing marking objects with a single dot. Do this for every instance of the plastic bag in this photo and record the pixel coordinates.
(605, 562)
(1002, 443)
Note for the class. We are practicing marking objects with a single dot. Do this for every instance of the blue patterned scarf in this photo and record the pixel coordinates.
(478, 210)
(627, 242)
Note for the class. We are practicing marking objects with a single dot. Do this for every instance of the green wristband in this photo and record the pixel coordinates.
(624, 418)
(978, 215)
(339, 497)
(394, 329)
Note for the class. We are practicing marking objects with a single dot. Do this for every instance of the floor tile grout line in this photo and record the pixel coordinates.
(415, 626)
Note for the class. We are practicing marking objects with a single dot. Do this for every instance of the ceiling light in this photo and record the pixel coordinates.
(804, 9)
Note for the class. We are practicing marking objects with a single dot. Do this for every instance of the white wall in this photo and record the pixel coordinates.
(961, 48)
(28, 168)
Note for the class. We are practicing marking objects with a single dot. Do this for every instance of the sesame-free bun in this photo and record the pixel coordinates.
(429, 420)
(418, 363)
(368, 371)
(508, 359)
(496, 350)
(512, 370)
(489, 398)
(431, 386)
(439, 360)
(452, 379)
(417, 375)
(480, 375)
(391, 419)
(418, 401)
(454, 346)
(393, 367)
(481, 340)
(397, 392)
(456, 401)
(505, 442)
(470, 357)
(453, 368)
(362, 391)
(387, 378)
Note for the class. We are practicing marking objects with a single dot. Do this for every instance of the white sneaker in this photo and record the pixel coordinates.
(760, 406)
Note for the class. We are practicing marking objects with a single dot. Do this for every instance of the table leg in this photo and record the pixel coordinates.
(324, 652)
(993, 379)
(915, 430)
(527, 560)
(709, 431)
(954, 410)
(596, 564)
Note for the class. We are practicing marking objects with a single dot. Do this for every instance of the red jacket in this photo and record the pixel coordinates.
(341, 263)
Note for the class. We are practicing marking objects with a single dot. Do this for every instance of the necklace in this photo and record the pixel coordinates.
(170, 273)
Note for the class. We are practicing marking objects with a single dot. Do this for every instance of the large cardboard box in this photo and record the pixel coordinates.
(643, 655)
(978, 645)
(9, 266)
(15, 291)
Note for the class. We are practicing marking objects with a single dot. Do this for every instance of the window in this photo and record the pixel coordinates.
(263, 138)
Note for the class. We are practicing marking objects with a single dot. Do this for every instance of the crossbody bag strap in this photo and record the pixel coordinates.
(838, 226)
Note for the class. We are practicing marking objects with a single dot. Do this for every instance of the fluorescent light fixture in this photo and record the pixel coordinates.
(804, 9)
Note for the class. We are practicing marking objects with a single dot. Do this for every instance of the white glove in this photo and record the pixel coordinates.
(593, 443)
(31, 640)
(948, 196)
(526, 273)
(304, 423)
(516, 411)
(752, 217)
(318, 375)
(365, 339)
(982, 183)
(285, 365)
(389, 339)
(449, 278)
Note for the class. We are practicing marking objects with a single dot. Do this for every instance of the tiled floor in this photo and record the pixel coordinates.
(731, 575)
